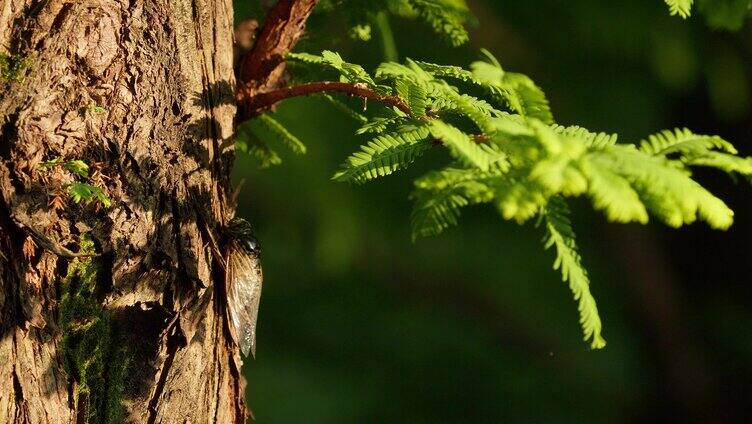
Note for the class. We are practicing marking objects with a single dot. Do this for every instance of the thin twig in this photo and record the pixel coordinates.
(262, 101)
(265, 100)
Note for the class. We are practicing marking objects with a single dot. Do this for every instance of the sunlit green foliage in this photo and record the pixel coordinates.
(680, 7)
(560, 234)
(446, 17)
(77, 167)
(79, 191)
(483, 295)
(86, 193)
(505, 149)
(385, 154)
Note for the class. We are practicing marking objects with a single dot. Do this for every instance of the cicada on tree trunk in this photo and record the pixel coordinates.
(243, 280)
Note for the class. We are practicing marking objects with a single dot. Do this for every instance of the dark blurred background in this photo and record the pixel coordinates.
(359, 324)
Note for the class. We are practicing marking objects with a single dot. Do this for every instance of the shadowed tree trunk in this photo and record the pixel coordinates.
(142, 91)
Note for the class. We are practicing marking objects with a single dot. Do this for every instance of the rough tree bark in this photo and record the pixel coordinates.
(148, 342)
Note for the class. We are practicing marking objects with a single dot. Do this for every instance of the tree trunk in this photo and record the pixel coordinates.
(142, 91)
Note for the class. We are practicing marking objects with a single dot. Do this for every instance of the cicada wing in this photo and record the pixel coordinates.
(244, 281)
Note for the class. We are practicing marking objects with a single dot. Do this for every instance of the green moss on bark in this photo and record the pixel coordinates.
(13, 68)
(93, 358)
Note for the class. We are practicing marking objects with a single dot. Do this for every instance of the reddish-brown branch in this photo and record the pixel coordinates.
(263, 67)
(263, 101)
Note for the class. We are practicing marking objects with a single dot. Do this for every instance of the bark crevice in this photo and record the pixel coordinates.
(172, 347)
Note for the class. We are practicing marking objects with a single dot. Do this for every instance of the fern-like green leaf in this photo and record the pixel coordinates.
(433, 213)
(349, 72)
(83, 192)
(280, 133)
(379, 125)
(391, 71)
(259, 150)
(308, 58)
(488, 72)
(682, 8)
(453, 72)
(560, 235)
(504, 92)
(414, 95)
(520, 198)
(520, 93)
(668, 191)
(446, 18)
(342, 107)
(613, 194)
(517, 91)
(385, 154)
(684, 142)
(590, 139)
(454, 176)
(476, 109)
(698, 150)
(77, 167)
(440, 195)
(531, 99)
(723, 161)
(460, 145)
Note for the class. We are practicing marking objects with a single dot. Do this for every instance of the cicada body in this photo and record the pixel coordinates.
(243, 282)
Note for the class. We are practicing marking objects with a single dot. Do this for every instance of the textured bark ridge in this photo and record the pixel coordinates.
(142, 90)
